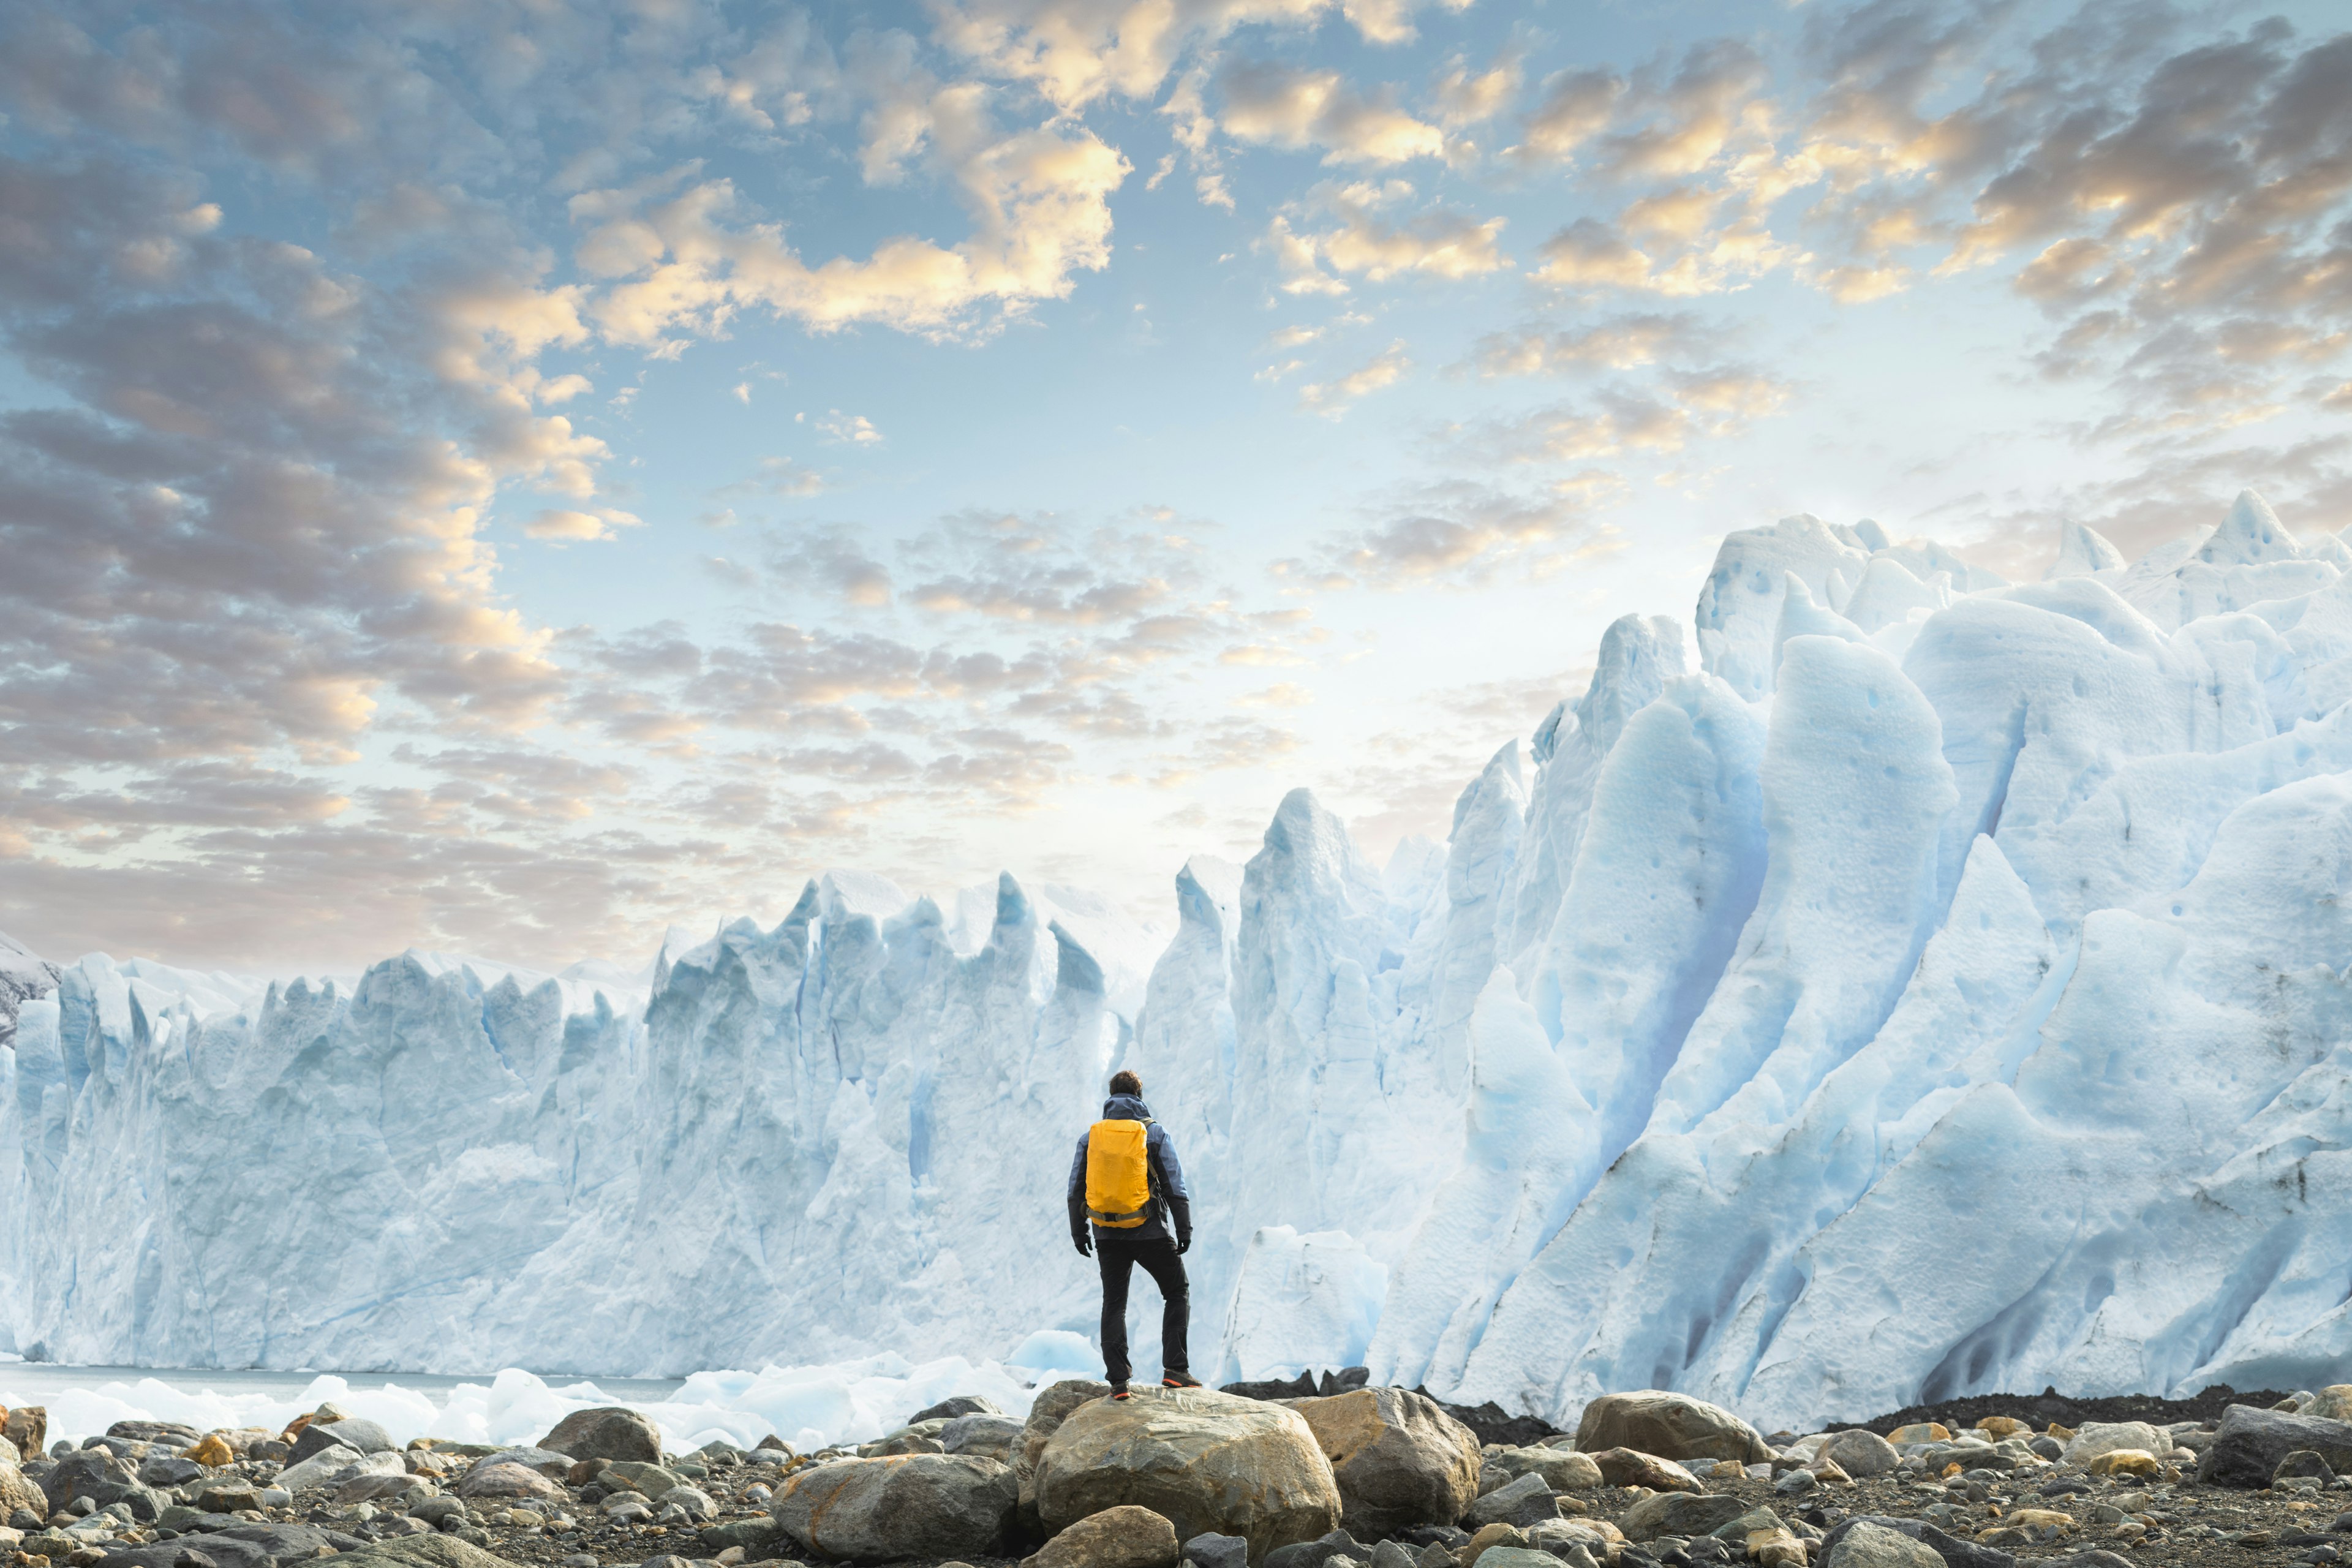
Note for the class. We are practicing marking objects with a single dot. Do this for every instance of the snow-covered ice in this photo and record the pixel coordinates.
(809, 1407)
(1941, 987)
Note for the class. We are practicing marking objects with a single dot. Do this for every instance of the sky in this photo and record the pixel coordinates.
(508, 477)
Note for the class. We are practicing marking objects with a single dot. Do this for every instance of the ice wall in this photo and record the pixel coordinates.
(1940, 988)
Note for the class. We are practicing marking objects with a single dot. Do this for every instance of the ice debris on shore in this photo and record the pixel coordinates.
(1941, 989)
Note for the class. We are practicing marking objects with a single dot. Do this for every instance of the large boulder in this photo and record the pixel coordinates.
(2333, 1403)
(1047, 1411)
(902, 1505)
(1679, 1514)
(1671, 1425)
(1115, 1537)
(1398, 1458)
(1204, 1462)
(2246, 1450)
(608, 1431)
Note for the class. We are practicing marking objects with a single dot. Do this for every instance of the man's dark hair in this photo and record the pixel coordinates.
(1124, 1082)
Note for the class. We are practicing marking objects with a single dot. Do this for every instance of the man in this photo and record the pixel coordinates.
(1124, 1189)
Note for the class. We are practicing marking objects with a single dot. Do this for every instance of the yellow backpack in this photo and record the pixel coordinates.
(1119, 1177)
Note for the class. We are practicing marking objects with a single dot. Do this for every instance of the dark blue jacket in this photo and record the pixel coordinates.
(1168, 1198)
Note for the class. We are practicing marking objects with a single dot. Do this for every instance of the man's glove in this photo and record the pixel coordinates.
(1083, 1242)
(1183, 1244)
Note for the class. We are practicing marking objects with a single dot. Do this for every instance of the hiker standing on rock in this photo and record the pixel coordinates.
(1124, 1189)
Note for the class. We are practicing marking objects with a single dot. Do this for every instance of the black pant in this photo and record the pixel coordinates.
(1118, 1258)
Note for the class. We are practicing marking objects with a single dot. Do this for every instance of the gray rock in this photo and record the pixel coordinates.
(373, 1489)
(693, 1499)
(958, 1405)
(2251, 1444)
(760, 1539)
(1392, 1554)
(1868, 1545)
(17, 1492)
(1523, 1502)
(314, 1440)
(1398, 1458)
(1203, 1461)
(1861, 1454)
(2302, 1463)
(1315, 1553)
(91, 1473)
(337, 1464)
(608, 1431)
(982, 1436)
(508, 1481)
(1516, 1557)
(916, 1505)
(1680, 1513)
(1670, 1425)
(1210, 1550)
(666, 1559)
(651, 1480)
(1954, 1551)
(546, 1461)
(433, 1510)
(357, 1432)
(167, 1470)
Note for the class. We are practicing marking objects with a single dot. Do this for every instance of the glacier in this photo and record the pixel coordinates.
(1892, 985)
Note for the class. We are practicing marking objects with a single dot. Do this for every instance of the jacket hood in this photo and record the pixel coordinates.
(1125, 1108)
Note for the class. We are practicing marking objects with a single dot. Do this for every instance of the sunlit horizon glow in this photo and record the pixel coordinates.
(505, 480)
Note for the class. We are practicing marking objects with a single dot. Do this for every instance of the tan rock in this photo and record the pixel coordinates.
(2124, 1462)
(1124, 1537)
(1491, 1536)
(2097, 1437)
(16, 1491)
(2333, 1403)
(1398, 1458)
(1631, 1467)
(2064, 1433)
(1202, 1461)
(1671, 1425)
(2043, 1519)
(1920, 1432)
(212, 1452)
(907, 1505)
(1775, 1549)
(1725, 1470)
(1999, 1427)
(1563, 1469)
(27, 1427)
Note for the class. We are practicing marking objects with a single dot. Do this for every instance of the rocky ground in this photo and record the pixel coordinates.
(1379, 1477)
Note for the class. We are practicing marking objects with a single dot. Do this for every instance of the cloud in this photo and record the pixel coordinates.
(689, 262)
(1075, 52)
(558, 526)
(1464, 533)
(1284, 106)
(848, 429)
(1680, 408)
(1358, 237)
(1333, 398)
(1619, 342)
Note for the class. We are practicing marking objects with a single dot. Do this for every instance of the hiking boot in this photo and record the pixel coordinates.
(1119, 1389)
(1179, 1380)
